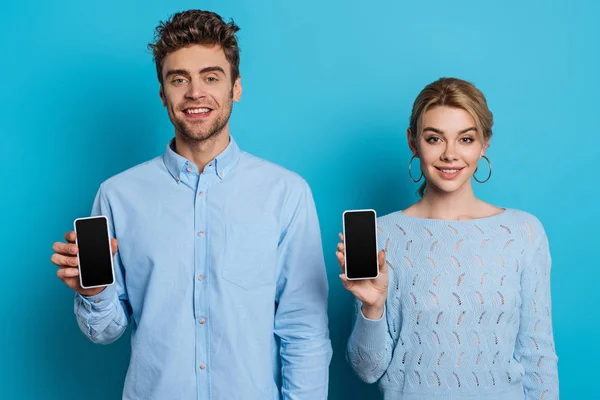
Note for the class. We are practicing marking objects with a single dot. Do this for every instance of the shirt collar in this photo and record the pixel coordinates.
(221, 165)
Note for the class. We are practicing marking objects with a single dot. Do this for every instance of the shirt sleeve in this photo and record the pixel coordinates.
(104, 317)
(301, 321)
(534, 347)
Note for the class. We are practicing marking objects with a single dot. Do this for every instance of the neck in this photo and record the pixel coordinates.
(452, 206)
(202, 152)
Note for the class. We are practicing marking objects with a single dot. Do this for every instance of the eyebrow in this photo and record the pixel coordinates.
(212, 69)
(171, 72)
(185, 72)
(438, 131)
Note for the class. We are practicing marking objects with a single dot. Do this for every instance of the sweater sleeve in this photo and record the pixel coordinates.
(371, 346)
(534, 347)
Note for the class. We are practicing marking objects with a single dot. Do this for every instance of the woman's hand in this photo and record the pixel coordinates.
(371, 292)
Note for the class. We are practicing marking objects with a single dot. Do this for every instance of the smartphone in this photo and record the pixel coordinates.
(95, 254)
(360, 244)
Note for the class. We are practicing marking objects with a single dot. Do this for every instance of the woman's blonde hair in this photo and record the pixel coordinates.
(451, 92)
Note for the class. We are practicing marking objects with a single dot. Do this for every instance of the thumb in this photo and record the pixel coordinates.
(381, 260)
(347, 284)
(114, 245)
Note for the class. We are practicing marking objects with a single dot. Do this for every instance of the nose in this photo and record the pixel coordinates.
(195, 90)
(449, 153)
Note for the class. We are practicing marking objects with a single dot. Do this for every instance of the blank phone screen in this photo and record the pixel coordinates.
(360, 244)
(95, 258)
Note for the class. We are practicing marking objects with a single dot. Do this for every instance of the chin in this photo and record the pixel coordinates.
(447, 187)
(196, 136)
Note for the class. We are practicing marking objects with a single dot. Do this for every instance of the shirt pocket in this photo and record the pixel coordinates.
(250, 255)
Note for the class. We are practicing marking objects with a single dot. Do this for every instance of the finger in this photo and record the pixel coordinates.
(114, 245)
(70, 237)
(65, 273)
(347, 284)
(73, 283)
(341, 237)
(63, 261)
(65, 248)
(341, 247)
(382, 263)
(340, 257)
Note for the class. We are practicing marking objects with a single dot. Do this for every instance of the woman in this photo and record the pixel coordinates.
(461, 308)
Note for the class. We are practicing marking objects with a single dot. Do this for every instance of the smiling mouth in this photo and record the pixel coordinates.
(200, 110)
(449, 171)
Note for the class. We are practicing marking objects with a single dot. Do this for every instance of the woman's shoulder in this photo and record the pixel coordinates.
(390, 219)
(524, 215)
(529, 223)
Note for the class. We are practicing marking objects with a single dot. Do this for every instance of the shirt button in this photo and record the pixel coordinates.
(202, 321)
(201, 234)
(202, 366)
(200, 277)
(189, 168)
(96, 301)
(201, 194)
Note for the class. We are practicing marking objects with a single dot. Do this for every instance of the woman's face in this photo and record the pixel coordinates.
(449, 148)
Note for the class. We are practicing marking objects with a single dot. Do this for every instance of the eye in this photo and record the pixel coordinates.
(179, 81)
(212, 79)
(467, 140)
(432, 139)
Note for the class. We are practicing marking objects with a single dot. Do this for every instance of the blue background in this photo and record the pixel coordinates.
(328, 87)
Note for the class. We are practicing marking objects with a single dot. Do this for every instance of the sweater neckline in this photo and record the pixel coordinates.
(499, 215)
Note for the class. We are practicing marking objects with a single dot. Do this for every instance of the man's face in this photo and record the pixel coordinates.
(197, 91)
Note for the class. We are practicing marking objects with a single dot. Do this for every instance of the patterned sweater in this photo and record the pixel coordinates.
(468, 312)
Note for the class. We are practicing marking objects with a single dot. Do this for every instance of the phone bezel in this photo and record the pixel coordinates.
(112, 267)
(376, 241)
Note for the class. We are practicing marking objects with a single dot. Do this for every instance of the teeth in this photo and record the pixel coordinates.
(197, 111)
(449, 171)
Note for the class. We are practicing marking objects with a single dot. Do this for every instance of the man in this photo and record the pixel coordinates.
(220, 266)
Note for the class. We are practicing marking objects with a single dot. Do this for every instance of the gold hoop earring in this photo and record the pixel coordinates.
(489, 175)
(410, 170)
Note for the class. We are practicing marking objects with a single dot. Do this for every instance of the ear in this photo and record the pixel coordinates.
(484, 149)
(411, 143)
(162, 96)
(237, 89)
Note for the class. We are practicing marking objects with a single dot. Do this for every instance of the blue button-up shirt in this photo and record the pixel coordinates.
(221, 274)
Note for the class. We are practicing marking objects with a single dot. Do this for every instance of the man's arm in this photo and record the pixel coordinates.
(102, 313)
(301, 320)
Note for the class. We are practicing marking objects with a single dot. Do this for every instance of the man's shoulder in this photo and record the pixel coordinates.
(269, 170)
(138, 173)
